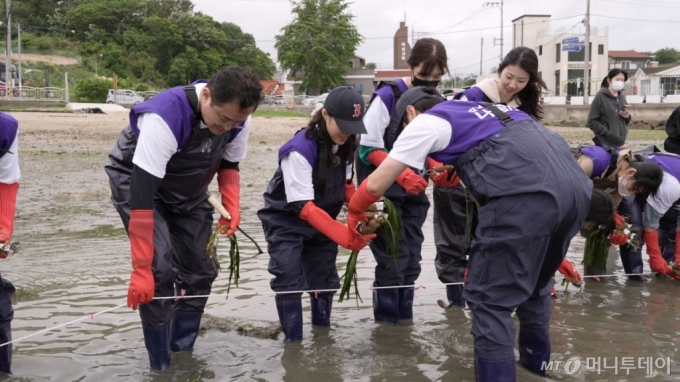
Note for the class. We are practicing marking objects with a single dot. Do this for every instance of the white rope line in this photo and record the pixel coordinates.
(257, 293)
(87, 315)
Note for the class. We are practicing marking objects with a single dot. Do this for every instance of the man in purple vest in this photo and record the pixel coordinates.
(533, 198)
(9, 185)
(159, 172)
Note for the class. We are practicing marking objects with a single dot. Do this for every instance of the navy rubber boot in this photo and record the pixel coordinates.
(406, 303)
(290, 316)
(495, 370)
(184, 330)
(6, 352)
(386, 305)
(321, 308)
(534, 350)
(454, 294)
(157, 342)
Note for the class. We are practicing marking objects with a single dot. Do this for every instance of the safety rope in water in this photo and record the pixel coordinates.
(252, 294)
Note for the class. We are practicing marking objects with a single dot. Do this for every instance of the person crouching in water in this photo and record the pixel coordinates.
(313, 181)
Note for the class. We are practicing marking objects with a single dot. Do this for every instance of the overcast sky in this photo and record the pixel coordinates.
(642, 25)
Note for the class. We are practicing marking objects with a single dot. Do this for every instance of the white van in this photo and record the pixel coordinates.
(124, 96)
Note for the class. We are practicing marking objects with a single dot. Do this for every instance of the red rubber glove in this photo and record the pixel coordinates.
(350, 190)
(656, 261)
(618, 238)
(567, 269)
(377, 156)
(618, 220)
(332, 228)
(356, 209)
(140, 230)
(677, 247)
(8, 202)
(229, 181)
(413, 183)
(444, 179)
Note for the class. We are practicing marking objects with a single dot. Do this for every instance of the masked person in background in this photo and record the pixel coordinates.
(609, 116)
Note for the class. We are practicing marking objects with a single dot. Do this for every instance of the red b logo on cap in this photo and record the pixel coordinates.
(357, 110)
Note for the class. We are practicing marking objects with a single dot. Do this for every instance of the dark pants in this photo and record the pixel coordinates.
(179, 262)
(407, 267)
(534, 197)
(300, 259)
(631, 258)
(455, 218)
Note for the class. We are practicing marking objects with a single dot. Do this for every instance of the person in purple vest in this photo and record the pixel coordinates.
(306, 194)
(666, 201)
(159, 172)
(9, 185)
(428, 62)
(623, 175)
(455, 215)
(533, 198)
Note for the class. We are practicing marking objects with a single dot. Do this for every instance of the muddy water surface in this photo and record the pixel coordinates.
(75, 260)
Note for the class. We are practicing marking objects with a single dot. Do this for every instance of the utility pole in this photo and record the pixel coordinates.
(481, 57)
(586, 77)
(499, 5)
(8, 50)
(19, 42)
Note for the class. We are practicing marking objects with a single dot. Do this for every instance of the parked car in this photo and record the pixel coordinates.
(319, 103)
(124, 96)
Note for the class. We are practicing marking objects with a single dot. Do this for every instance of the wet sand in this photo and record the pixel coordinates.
(75, 260)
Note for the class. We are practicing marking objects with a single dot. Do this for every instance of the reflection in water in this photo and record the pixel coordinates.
(75, 260)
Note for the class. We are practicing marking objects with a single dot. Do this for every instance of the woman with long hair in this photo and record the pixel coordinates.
(427, 62)
(313, 181)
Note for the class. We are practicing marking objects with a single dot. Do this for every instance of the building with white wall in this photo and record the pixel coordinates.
(563, 70)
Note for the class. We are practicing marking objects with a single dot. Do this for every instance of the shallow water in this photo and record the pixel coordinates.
(75, 260)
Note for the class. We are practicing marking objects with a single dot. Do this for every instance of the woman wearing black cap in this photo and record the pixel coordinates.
(313, 181)
(393, 305)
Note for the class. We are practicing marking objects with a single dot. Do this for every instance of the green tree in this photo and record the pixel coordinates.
(371, 65)
(318, 43)
(667, 56)
(93, 89)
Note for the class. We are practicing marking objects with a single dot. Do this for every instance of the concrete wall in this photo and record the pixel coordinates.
(644, 115)
(304, 111)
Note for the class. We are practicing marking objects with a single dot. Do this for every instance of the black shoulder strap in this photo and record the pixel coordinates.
(190, 91)
(322, 164)
(394, 86)
(612, 163)
(503, 117)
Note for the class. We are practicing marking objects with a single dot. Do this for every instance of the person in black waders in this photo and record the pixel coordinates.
(9, 185)
(306, 194)
(159, 172)
(533, 198)
(393, 305)
(428, 63)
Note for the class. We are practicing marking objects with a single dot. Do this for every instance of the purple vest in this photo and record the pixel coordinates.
(471, 124)
(307, 147)
(174, 108)
(600, 156)
(8, 131)
(669, 163)
(473, 94)
(387, 95)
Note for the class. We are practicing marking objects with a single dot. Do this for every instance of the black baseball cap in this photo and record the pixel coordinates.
(410, 97)
(346, 105)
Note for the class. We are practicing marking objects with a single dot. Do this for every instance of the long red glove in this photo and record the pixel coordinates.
(656, 261)
(618, 220)
(140, 230)
(567, 269)
(229, 181)
(677, 247)
(356, 209)
(332, 228)
(618, 238)
(413, 183)
(350, 190)
(8, 202)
